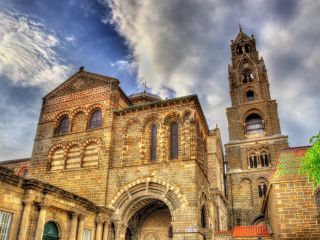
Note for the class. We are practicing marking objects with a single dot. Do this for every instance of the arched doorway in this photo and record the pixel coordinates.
(51, 231)
(150, 220)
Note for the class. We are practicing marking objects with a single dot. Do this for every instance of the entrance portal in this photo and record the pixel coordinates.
(151, 221)
(50, 232)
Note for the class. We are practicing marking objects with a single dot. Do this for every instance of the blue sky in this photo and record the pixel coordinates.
(179, 47)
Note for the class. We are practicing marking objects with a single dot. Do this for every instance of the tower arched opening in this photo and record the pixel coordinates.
(254, 124)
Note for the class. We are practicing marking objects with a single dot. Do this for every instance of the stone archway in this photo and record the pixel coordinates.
(139, 203)
(151, 221)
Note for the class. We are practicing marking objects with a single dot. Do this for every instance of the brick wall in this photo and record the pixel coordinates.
(292, 210)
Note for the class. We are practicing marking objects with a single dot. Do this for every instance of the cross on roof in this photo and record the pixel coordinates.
(145, 87)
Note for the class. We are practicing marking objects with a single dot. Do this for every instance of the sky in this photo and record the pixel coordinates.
(179, 47)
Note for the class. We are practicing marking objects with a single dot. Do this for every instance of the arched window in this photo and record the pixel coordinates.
(96, 119)
(265, 160)
(250, 95)
(63, 126)
(50, 231)
(262, 189)
(247, 76)
(254, 124)
(174, 135)
(239, 50)
(153, 145)
(253, 163)
(247, 48)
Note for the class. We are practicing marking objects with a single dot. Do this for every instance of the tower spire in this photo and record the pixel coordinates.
(240, 27)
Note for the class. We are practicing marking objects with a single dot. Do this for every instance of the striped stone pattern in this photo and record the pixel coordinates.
(57, 160)
(73, 157)
(90, 158)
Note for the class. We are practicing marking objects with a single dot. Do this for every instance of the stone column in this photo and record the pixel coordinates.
(24, 224)
(106, 230)
(80, 227)
(74, 224)
(99, 223)
(41, 221)
(120, 231)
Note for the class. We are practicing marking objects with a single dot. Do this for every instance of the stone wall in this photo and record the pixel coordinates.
(292, 210)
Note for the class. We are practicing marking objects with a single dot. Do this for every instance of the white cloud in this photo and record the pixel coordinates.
(125, 65)
(182, 45)
(28, 52)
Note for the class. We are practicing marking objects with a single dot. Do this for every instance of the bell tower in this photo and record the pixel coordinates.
(254, 132)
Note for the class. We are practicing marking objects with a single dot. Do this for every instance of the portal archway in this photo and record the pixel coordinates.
(140, 204)
(51, 231)
(151, 221)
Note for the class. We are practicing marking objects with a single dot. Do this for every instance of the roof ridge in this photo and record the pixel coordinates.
(296, 147)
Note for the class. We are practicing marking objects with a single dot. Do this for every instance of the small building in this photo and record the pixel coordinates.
(291, 206)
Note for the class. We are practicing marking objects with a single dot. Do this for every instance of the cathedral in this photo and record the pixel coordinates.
(108, 166)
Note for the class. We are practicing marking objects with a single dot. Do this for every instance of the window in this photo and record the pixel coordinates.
(63, 126)
(247, 48)
(264, 160)
(86, 235)
(174, 135)
(250, 96)
(253, 161)
(239, 50)
(153, 147)
(5, 222)
(50, 231)
(247, 76)
(262, 189)
(254, 124)
(96, 119)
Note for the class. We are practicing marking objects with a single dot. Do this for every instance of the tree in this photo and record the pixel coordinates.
(311, 161)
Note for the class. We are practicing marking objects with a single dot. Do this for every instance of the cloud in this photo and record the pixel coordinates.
(181, 47)
(28, 52)
(125, 65)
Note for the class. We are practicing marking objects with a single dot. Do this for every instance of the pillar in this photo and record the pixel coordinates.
(99, 222)
(41, 221)
(106, 230)
(80, 227)
(120, 231)
(24, 224)
(74, 224)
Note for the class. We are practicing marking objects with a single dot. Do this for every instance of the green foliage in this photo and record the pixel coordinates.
(311, 161)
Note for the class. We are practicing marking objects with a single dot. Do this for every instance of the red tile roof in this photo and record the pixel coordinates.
(251, 231)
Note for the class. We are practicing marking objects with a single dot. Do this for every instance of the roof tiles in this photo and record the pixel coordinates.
(251, 231)
(289, 163)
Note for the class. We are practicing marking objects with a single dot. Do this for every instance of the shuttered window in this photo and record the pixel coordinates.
(174, 147)
(5, 222)
(154, 143)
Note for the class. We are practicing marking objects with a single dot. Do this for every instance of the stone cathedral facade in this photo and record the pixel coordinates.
(110, 166)
(107, 166)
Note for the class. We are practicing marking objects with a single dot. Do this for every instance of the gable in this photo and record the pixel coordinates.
(81, 81)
